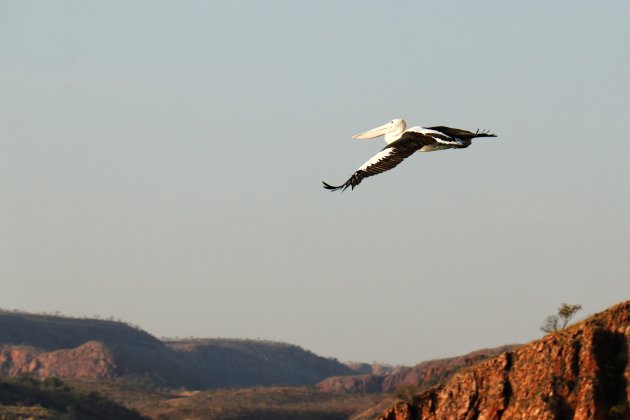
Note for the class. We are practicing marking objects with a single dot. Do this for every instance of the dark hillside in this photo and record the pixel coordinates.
(52, 399)
(129, 351)
(49, 332)
(135, 351)
(226, 362)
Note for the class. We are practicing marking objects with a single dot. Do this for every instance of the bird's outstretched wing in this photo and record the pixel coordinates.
(461, 134)
(446, 137)
(435, 140)
(386, 159)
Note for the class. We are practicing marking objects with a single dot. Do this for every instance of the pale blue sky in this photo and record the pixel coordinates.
(161, 162)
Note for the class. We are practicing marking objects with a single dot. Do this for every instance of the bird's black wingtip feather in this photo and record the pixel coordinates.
(484, 133)
(331, 187)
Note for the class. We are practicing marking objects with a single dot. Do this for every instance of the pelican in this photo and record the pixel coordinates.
(402, 143)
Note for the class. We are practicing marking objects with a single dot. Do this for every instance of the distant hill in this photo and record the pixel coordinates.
(237, 363)
(582, 372)
(374, 368)
(44, 345)
(51, 332)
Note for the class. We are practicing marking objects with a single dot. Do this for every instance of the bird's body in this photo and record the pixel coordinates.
(402, 143)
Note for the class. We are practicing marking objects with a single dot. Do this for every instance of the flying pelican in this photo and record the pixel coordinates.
(402, 143)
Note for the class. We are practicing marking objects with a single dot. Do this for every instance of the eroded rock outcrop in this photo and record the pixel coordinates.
(432, 372)
(90, 360)
(423, 375)
(352, 384)
(579, 373)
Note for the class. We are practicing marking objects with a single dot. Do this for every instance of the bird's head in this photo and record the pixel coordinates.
(394, 126)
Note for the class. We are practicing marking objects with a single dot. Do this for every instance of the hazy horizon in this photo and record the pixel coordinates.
(162, 162)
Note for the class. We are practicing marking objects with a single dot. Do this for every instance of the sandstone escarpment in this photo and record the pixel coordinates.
(423, 375)
(432, 372)
(90, 360)
(579, 373)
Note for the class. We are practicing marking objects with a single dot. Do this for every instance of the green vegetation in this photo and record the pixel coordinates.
(265, 403)
(50, 398)
(130, 392)
(226, 404)
(560, 320)
(617, 412)
(566, 312)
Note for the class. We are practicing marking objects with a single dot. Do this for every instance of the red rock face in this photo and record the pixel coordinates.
(580, 373)
(90, 360)
(423, 375)
(426, 374)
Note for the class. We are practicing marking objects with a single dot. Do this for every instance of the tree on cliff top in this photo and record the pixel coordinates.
(561, 319)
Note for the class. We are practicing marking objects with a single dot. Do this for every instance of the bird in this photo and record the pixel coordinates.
(402, 143)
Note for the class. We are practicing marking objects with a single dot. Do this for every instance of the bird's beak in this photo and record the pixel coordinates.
(375, 132)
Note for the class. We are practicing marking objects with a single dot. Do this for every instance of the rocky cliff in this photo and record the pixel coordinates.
(423, 375)
(90, 360)
(578, 373)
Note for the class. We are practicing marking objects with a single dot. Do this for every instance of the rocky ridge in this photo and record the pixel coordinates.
(90, 360)
(423, 375)
(578, 373)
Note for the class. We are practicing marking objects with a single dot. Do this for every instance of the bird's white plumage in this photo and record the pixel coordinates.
(392, 131)
(434, 148)
(376, 158)
(438, 136)
(423, 130)
(446, 141)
